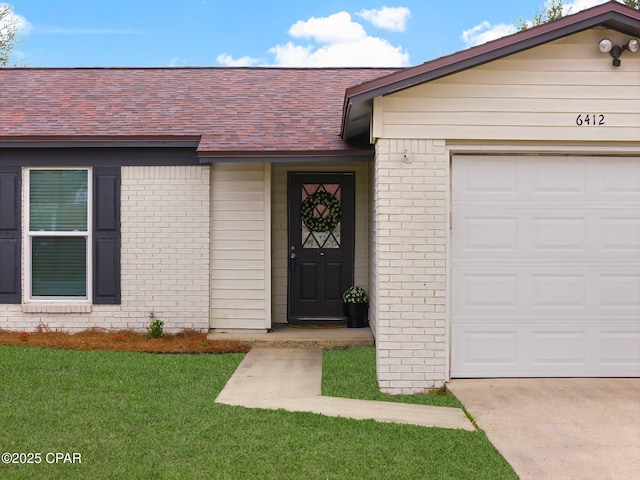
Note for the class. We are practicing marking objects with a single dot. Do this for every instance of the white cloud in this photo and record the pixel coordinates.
(22, 24)
(177, 62)
(577, 5)
(365, 52)
(228, 61)
(336, 28)
(485, 32)
(393, 19)
(333, 41)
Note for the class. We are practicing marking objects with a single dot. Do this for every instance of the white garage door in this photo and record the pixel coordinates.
(545, 266)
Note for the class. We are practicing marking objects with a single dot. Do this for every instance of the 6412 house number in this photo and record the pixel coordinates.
(590, 119)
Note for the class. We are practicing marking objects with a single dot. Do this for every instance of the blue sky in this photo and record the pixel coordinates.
(301, 33)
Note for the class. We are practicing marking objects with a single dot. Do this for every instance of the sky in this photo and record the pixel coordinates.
(277, 33)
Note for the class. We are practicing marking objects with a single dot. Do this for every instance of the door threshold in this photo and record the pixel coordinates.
(318, 322)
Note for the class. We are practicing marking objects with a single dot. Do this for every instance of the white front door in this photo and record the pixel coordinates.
(545, 266)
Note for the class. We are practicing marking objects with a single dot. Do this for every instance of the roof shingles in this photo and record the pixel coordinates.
(233, 110)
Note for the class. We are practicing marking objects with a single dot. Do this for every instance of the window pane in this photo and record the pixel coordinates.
(58, 200)
(59, 267)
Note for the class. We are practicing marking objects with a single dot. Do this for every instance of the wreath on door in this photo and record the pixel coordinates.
(326, 221)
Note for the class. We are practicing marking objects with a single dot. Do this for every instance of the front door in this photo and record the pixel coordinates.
(321, 246)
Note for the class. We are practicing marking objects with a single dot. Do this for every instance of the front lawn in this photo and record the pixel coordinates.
(351, 373)
(144, 416)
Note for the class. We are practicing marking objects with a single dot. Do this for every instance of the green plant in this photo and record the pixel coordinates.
(155, 328)
(355, 295)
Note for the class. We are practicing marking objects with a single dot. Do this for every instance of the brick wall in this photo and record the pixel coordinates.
(408, 214)
(165, 259)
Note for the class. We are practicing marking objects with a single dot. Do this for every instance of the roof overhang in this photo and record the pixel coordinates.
(73, 141)
(288, 157)
(358, 102)
(194, 144)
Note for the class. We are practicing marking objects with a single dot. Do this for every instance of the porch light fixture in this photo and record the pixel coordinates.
(606, 46)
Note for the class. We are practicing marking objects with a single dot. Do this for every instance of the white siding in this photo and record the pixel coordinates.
(533, 95)
(240, 262)
(280, 241)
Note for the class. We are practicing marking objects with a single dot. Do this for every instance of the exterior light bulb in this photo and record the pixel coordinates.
(605, 45)
(633, 45)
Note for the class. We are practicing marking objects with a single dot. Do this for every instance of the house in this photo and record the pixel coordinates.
(488, 200)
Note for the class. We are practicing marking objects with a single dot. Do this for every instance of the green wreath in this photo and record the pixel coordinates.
(325, 223)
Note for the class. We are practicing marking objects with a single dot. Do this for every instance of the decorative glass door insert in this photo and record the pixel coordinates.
(321, 214)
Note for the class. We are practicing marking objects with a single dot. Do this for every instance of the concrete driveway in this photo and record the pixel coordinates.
(559, 428)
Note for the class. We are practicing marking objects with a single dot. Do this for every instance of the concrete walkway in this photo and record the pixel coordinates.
(290, 379)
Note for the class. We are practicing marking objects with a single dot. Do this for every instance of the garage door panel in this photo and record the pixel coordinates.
(557, 347)
(495, 178)
(547, 290)
(620, 291)
(485, 346)
(534, 350)
(619, 234)
(619, 348)
(542, 234)
(558, 291)
(547, 179)
(619, 180)
(545, 266)
(569, 179)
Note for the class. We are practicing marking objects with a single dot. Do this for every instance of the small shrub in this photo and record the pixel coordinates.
(355, 295)
(156, 328)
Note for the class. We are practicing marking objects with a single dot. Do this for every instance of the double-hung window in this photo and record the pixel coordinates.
(59, 234)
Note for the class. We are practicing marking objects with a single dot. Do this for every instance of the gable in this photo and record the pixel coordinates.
(536, 94)
(359, 99)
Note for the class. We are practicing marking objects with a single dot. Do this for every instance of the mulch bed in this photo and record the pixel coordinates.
(187, 341)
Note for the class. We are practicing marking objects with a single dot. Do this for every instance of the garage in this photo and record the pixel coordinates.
(545, 266)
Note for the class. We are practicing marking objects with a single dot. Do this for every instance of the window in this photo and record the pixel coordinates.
(70, 233)
(59, 240)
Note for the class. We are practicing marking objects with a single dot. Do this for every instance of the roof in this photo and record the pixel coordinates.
(223, 111)
(359, 98)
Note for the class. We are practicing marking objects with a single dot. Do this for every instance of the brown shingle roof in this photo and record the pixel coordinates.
(230, 111)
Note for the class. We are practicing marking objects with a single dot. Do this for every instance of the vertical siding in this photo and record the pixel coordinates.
(280, 240)
(239, 246)
(533, 95)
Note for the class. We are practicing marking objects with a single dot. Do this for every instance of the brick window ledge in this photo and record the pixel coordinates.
(56, 308)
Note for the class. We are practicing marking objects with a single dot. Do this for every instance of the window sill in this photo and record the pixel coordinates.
(56, 308)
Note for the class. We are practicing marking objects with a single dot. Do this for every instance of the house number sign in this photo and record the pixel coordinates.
(590, 119)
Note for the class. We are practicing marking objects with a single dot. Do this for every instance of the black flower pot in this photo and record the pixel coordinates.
(356, 314)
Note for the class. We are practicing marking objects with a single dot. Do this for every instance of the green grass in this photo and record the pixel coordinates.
(146, 416)
(351, 373)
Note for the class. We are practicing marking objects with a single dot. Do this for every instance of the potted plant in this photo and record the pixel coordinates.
(355, 305)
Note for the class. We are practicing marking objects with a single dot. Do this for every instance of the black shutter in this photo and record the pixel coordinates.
(10, 234)
(106, 235)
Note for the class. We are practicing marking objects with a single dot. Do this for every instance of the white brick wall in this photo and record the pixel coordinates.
(408, 215)
(165, 258)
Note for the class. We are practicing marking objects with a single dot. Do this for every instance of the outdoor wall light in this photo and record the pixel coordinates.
(606, 46)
